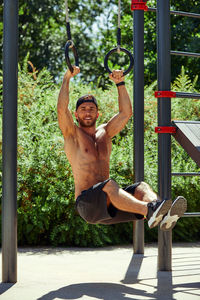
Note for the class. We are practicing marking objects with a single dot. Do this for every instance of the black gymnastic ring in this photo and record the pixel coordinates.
(116, 50)
(69, 45)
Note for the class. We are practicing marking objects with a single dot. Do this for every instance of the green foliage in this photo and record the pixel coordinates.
(184, 109)
(46, 212)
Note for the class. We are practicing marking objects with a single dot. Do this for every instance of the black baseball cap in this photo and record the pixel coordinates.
(86, 98)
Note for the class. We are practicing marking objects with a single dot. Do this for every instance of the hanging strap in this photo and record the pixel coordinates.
(118, 28)
(67, 21)
(70, 44)
(119, 48)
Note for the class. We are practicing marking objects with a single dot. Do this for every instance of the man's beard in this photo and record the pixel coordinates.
(84, 124)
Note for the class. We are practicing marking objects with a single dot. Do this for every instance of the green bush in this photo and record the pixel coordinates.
(46, 213)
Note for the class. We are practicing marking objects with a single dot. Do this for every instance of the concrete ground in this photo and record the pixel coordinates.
(112, 273)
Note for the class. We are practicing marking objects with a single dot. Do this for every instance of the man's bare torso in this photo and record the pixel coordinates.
(87, 148)
(89, 157)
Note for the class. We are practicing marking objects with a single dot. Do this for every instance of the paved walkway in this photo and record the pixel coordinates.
(111, 273)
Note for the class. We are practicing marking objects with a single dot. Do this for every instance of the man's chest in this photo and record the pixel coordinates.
(96, 147)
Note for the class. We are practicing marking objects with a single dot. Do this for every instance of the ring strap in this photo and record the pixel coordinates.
(70, 44)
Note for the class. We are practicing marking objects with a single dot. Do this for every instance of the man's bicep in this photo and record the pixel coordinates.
(66, 123)
(116, 124)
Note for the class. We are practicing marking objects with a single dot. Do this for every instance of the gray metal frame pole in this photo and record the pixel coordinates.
(138, 17)
(164, 119)
(9, 203)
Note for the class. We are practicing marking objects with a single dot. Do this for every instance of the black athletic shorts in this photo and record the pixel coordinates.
(91, 204)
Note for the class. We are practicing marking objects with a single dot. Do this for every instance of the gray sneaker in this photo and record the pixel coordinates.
(156, 211)
(179, 206)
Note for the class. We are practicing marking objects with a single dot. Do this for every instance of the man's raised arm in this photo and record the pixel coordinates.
(117, 123)
(65, 119)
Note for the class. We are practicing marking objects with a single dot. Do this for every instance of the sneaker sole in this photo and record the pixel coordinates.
(177, 210)
(159, 213)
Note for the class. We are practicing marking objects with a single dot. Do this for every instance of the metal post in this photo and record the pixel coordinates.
(164, 119)
(139, 117)
(9, 203)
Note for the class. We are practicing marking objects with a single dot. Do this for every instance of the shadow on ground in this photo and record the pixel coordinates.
(4, 287)
(110, 291)
(162, 287)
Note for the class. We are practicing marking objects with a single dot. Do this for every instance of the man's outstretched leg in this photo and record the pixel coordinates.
(144, 201)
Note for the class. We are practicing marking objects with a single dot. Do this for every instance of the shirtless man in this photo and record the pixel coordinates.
(98, 198)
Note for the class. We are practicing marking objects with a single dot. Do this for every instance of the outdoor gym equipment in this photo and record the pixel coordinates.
(119, 49)
(9, 176)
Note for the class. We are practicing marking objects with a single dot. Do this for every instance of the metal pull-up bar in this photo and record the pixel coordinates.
(182, 53)
(192, 214)
(186, 174)
(187, 95)
(178, 13)
(170, 94)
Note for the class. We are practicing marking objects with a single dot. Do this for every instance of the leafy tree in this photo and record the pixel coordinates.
(94, 24)
(42, 33)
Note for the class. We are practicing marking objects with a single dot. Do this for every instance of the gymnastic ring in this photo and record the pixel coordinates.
(117, 49)
(70, 45)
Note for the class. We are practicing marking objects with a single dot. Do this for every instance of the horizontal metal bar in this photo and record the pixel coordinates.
(182, 53)
(186, 174)
(186, 122)
(194, 214)
(187, 95)
(178, 13)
